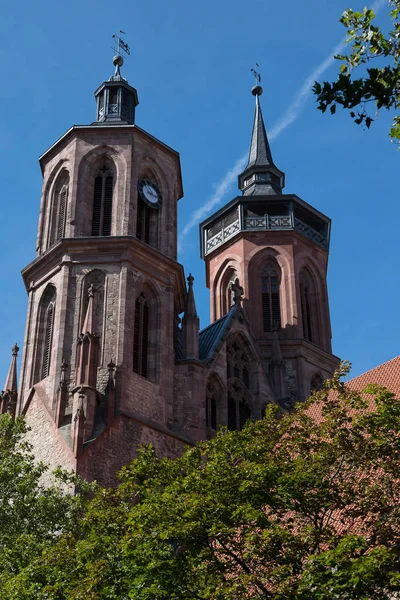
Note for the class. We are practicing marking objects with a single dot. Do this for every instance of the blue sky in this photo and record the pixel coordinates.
(190, 63)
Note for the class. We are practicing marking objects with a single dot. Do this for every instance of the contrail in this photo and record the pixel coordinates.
(291, 114)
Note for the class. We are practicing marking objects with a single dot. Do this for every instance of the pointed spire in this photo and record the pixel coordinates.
(11, 381)
(260, 177)
(260, 152)
(190, 324)
(88, 324)
(8, 398)
(190, 309)
(88, 346)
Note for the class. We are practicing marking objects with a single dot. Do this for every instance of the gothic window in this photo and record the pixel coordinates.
(238, 375)
(270, 298)
(59, 207)
(307, 307)
(229, 278)
(102, 202)
(141, 336)
(45, 333)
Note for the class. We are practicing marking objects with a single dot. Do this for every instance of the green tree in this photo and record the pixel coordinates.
(32, 516)
(375, 56)
(301, 506)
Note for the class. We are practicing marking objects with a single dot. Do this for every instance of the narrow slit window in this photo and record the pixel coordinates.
(48, 335)
(306, 310)
(141, 337)
(143, 221)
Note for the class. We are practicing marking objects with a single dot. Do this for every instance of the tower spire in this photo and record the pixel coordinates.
(261, 176)
(8, 398)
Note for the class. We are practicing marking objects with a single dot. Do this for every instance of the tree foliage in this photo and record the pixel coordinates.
(375, 55)
(301, 506)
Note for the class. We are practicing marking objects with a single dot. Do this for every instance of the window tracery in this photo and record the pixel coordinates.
(238, 375)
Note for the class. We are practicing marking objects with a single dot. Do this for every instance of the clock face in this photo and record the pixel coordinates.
(149, 193)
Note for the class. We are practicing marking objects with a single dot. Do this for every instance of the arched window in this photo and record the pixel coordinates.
(229, 278)
(59, 207)
(270, 297)
(238, 375)
(141, 336)
(307, 301)
(102, 202)
(45, 329)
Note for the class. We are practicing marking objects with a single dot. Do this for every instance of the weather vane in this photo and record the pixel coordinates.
(256, 90)
(256, 74)
(122, 46)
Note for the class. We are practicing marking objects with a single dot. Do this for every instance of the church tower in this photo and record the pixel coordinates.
(276, 245)
(104, 294)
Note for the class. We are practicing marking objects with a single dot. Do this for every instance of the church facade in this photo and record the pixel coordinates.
(113, 356)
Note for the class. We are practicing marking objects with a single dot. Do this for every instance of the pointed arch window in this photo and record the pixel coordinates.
(270, 298)
(238, 375)
(45, 330)
(102, 202)
(141, 336)
(59, 207)
(307, 307)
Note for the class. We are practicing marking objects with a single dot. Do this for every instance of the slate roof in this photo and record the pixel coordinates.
(260, 152)
(210, 336)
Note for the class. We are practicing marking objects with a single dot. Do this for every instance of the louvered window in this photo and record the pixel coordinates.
(141, 337)
(306, 312)
(48, 335)
(59, 207)
(143, 221)
(63, 207)
(270, 300)
(102, 203)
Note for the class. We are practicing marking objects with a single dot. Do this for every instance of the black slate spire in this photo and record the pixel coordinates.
(260, 177)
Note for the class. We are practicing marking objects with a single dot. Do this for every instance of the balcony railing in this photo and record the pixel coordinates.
(263, 223)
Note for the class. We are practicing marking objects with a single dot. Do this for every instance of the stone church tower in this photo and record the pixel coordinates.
(113, 356)
(277, 246)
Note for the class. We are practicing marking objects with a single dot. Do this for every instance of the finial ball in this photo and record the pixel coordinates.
(256, 90)
(118, 61)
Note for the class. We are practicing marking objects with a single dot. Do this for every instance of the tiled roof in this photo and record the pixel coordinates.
(210, 336)
(387, 374)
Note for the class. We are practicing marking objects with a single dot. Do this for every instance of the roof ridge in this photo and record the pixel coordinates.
(374, 368)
